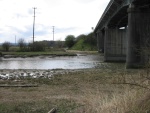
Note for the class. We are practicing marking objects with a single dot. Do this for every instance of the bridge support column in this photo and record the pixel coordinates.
(100, 41)
(138, 37)
(115, 44)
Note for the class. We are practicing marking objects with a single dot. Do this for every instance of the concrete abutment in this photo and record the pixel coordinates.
(138, 36)
(100, 41)
(115, 45)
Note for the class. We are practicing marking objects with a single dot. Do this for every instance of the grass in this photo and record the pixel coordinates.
(82, 91)
(37, 53)
(82, 46)
(15, 52)
(13, 48)
(83, 52)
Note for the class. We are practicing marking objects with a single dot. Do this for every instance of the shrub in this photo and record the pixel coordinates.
(69, 41)
(6, 45)
(22, 44)
(37, 46)
(1, 54)
(90, 39)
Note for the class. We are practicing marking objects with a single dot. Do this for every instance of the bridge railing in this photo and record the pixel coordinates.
(105, 13)
(106, 16)
(106, 10)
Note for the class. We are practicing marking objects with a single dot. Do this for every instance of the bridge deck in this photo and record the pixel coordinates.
(115, 13)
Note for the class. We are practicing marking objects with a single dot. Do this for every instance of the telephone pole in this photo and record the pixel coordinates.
(34, 22)
(15, 40)
(53, 32)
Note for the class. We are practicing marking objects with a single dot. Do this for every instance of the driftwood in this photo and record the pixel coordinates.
(27, 85)
(53, 110)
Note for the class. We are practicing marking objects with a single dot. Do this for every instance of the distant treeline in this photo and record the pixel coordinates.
(82, 42)
(22, 46)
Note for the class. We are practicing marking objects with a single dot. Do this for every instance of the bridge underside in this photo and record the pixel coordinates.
(125, 36)
(115, 44)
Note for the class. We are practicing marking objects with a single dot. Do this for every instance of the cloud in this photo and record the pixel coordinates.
(85, 1)
(68, 16)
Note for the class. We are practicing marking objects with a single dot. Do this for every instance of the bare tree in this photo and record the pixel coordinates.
(6, 45)
(22, 44)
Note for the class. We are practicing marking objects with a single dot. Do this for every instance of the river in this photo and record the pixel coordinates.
(80, 61)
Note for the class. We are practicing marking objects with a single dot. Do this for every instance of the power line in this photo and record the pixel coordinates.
(34, 22)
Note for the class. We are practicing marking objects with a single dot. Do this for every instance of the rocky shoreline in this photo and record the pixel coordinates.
(17, 74)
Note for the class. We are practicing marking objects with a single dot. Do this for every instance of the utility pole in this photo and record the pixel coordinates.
(53, 32)
(34, 22)
(15, 40)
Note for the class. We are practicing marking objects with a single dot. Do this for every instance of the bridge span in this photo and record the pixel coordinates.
(123, 32)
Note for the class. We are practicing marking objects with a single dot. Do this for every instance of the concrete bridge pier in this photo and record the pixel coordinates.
(100, 41)
(138, 37)
(115, 44)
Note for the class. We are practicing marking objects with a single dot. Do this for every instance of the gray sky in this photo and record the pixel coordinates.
(70, 17)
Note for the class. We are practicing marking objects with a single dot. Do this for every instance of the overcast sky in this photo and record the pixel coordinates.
(70, 17)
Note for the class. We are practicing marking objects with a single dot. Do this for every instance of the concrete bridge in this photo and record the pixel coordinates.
(123, 32)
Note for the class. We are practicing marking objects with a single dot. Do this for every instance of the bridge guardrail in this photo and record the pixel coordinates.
(109, 16)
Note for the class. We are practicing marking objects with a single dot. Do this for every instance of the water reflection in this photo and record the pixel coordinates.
(76, 62)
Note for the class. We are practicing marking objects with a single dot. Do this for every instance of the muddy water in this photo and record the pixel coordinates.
(76, 62)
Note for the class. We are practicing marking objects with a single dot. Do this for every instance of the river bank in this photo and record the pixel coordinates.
(106, 88)
(36, 54)
(57, 53)
(75, 91)
(18, 74)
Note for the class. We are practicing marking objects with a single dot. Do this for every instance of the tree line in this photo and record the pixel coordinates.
(69, 42)
(22, 46)
(89, 39)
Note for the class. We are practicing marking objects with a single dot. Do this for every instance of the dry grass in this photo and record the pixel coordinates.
(84, 91)
(113, 103)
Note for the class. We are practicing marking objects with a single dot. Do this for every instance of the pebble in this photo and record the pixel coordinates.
(8, 74)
